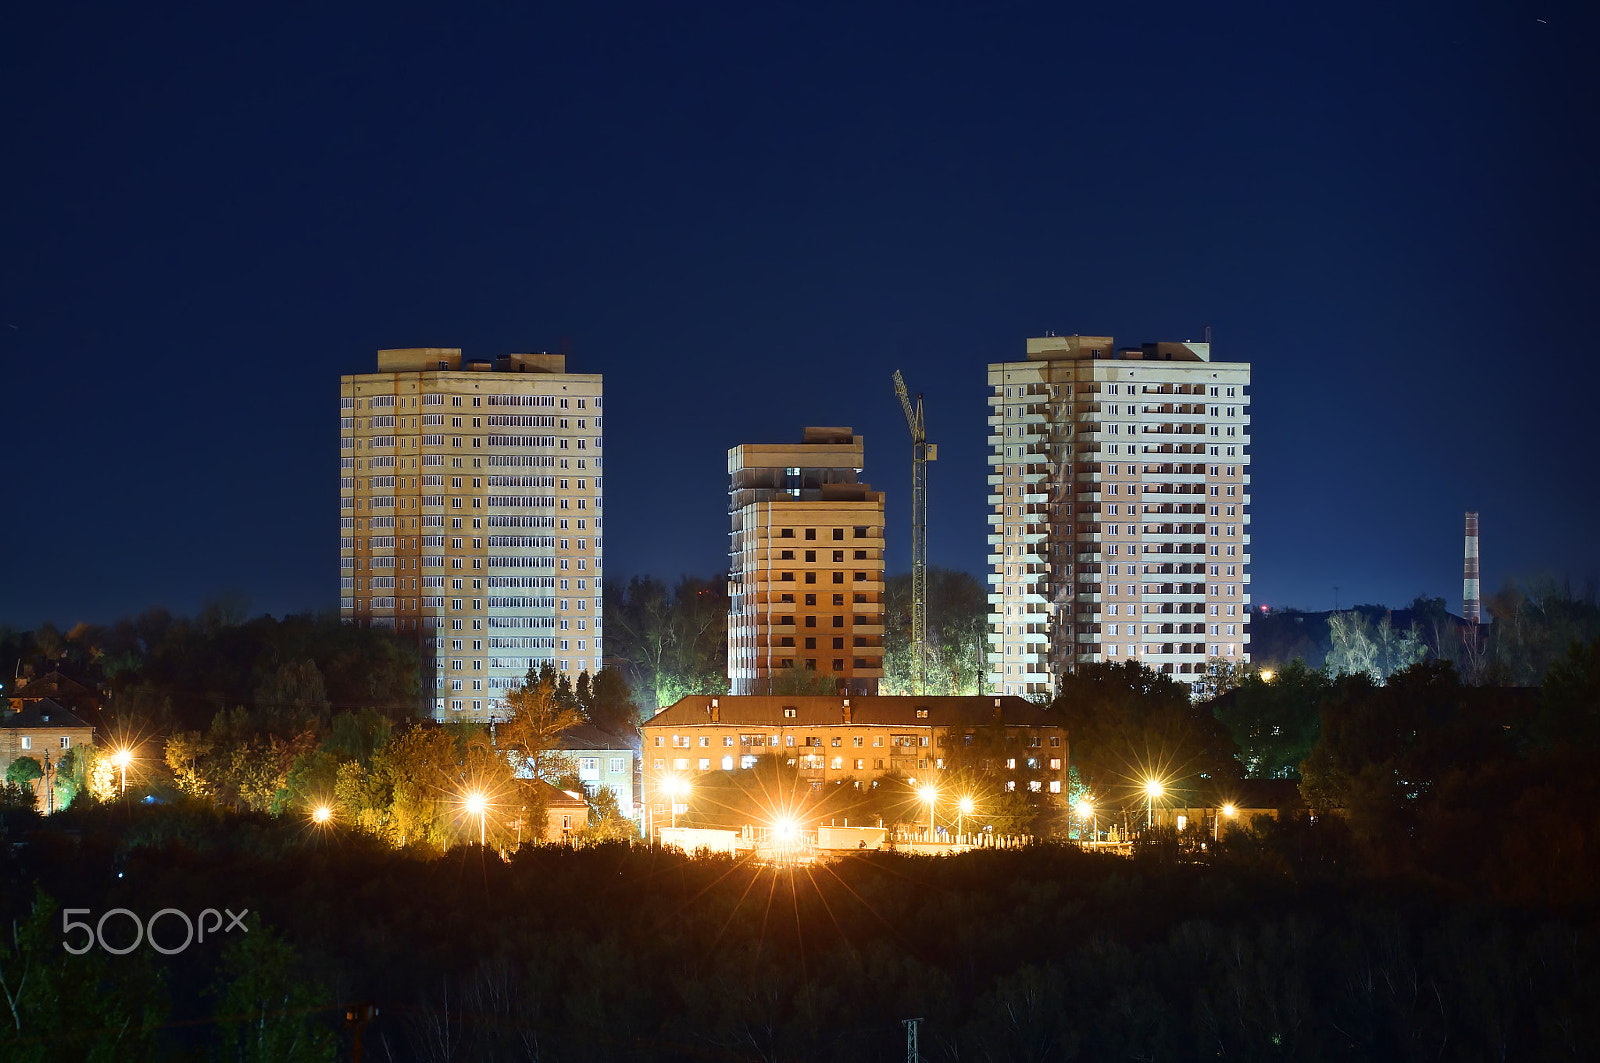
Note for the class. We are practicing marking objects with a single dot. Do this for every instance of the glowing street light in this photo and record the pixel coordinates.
(1085, 810)
(931, 796)
(677, 789)
(322, 815)
(1268, 675)
(963, 810)
(122, 758)
(1152, 790)
(477, 804)
(1227, 810)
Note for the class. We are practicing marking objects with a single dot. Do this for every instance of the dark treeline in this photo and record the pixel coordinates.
(165, 672)
(1433, 779)
(285, 715)
(671, 639)
(1528, 626)
(1266, 948)
(1429, 892)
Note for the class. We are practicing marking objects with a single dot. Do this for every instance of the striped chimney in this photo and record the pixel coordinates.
(1471, 605)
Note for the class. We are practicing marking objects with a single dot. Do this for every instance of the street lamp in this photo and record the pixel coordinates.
(675, 787)
(1230, 812)
(930, 795)
(478, 805)
(1267, 675)
(1085, 810)
(121, 758)
(963, 810)
(1152, 790)
(321, 815)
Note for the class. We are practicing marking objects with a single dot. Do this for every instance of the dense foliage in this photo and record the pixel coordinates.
(1437, 904)
(958, 634)
(1269, 948)
(672, 640)
(1128, 724)
(165, 673)
(1528, 627)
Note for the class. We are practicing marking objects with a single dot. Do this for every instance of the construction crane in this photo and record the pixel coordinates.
(922, 452)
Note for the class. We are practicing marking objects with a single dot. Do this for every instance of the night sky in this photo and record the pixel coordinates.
(747, 216)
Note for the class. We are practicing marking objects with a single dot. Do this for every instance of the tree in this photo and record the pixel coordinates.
(1127, 724)
(267, 1003)
(72, 773)
(608, 703)
(293, 698)
(114, 1009)
(414, 790)
(184, 754)
(17, 796)
(24, 771)
(1275, 721)
(801, 682)
(531, 738)
(1534, 624)
(958, 625)
(674, 640)
(420, 767)
(606, 821)
(1571, 704)
(1383, 751)
(1378, 651)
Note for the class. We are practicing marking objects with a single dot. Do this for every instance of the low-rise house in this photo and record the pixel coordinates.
(1232, 806)
(63, 690)
(603, 759)
(41, 727)
(566, 813)
(829, 738)
(45, 731)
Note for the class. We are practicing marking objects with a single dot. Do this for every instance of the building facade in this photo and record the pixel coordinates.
(602, 759)
(829, 739)
(41, 729)
(805, 563)
(472, 513)
(1119, 510)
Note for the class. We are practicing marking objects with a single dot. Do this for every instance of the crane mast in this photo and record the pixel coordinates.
(922, 452)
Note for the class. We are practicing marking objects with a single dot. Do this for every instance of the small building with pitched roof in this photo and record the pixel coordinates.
(862, 738)
(603, 759)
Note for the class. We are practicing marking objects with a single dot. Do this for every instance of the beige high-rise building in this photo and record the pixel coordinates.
(805, 563)
(1119, 510)
(472, 513)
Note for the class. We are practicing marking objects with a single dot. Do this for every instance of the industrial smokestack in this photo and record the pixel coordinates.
(1471, 606)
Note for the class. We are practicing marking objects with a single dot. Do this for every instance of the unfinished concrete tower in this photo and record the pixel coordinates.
(805, 565)
(1471, 605)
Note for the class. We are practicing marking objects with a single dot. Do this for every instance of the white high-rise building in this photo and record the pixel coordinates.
(472, 512)
(1120, 510)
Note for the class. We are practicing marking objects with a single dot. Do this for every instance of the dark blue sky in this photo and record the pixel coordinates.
(747, 216)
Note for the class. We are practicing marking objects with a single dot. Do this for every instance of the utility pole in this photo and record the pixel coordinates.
(922, 452)
(356, 1018)
(911, 1029)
